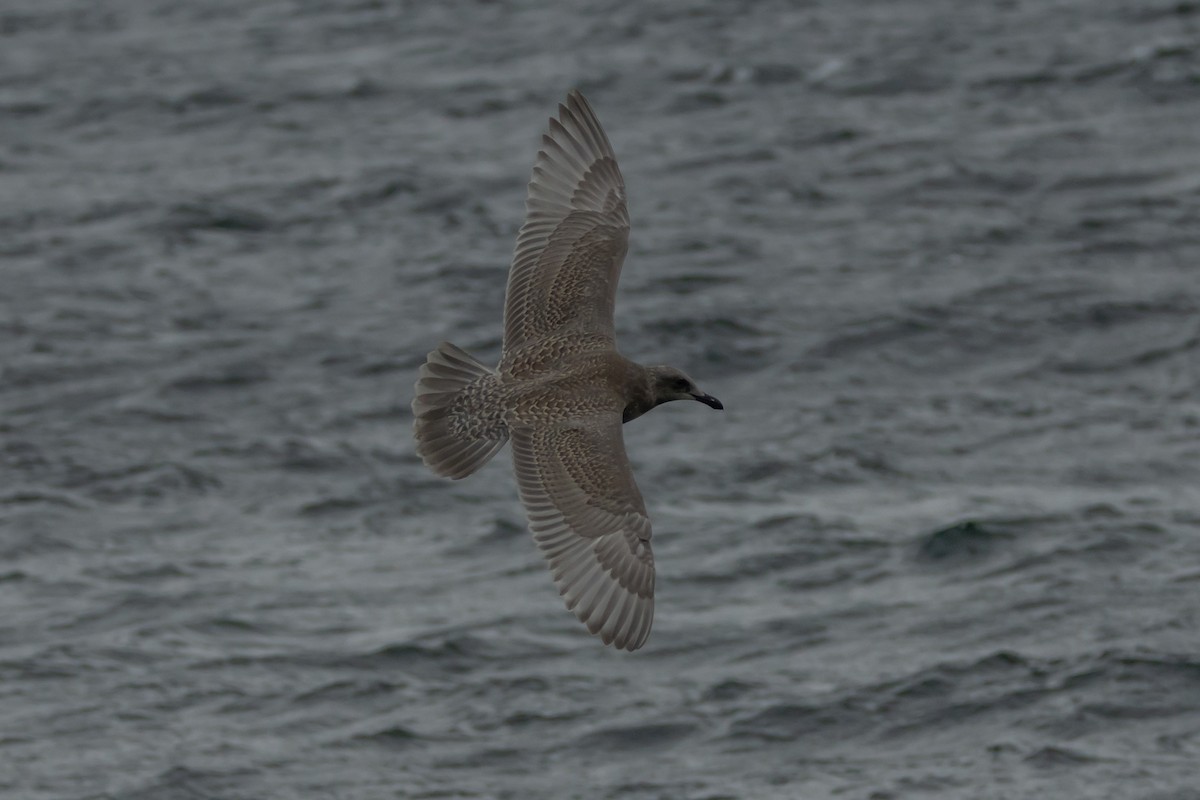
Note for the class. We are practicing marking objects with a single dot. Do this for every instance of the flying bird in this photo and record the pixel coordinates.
(561, 390)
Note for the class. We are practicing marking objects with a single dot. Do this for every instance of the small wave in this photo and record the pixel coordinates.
(216, 377)
(1055, 758)
(498, 532)
(790, 722)
(22, 497)
(934, 698)
(328, 506)
(185, 783)
(341, 691)
(392, 736)
(874, 332)
(640, 738)
(436, 656)
(148, 482)
(727, 345)
(185, 218)
(967, 541)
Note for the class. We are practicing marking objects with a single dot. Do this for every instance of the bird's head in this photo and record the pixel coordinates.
(668, 384)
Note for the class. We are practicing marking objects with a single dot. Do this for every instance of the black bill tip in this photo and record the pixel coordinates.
(709, 401)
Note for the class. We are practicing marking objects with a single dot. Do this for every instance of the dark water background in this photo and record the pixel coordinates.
(941, 260)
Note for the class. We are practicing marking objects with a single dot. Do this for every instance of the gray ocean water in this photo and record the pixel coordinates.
(940, 260)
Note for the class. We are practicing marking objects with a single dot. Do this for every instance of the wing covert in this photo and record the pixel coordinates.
(569, 253)
(588, 518)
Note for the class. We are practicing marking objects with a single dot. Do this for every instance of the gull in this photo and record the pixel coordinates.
(561, 390)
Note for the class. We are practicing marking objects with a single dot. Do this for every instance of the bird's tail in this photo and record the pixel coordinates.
(457, 423)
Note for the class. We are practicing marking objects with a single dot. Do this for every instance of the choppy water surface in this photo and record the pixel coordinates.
(938, 259)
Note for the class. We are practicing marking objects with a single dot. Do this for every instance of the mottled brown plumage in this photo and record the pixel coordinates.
(562, 391)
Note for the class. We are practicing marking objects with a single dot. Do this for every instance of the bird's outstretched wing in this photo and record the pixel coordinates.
(589, 520)
(570, 250)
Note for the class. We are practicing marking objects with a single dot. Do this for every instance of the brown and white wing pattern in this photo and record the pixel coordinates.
(588, 518)
(570, 250)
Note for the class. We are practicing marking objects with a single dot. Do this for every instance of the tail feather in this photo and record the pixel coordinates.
(455, 436)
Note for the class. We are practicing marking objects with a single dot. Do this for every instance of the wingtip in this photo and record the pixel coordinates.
(575, 104)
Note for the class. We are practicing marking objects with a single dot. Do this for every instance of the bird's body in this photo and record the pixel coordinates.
(562, 391)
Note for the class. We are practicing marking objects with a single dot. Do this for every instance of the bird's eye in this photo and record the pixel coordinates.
(682, 385)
